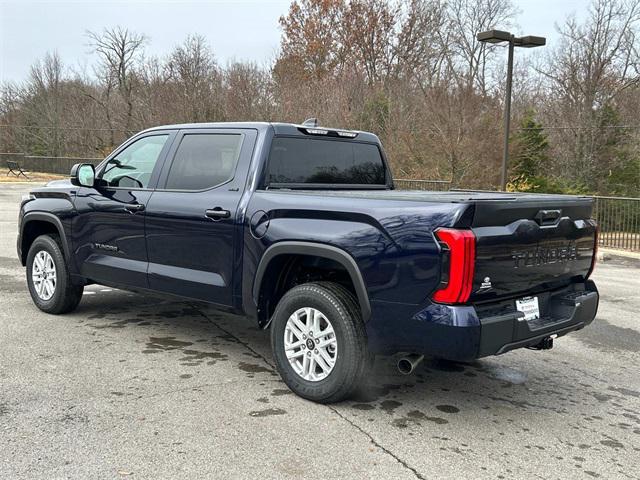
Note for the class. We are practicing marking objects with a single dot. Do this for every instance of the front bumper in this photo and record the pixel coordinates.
(470, 332)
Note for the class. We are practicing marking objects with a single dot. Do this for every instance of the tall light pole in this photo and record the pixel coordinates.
(497, 36)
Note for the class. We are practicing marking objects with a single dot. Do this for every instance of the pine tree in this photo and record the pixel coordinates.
(529, 149)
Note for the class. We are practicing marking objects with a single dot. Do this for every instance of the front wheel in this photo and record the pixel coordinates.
(319, 341)
(48, 277)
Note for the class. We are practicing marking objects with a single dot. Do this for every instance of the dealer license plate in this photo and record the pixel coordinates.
(529, 306)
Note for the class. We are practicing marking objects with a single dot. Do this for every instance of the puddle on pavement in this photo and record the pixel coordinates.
(389, 406)
(120, 323)
(612, 443)
(625, 391)
(191, 357)
(156, 344)
(415, 417)
(253, 368)
(268, 412)
(196, 357)
(281, 391)
(177, 313)
(448, 408)
(601, 397)
(363, 406)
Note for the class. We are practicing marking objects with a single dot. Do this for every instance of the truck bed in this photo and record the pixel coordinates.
(525, 243)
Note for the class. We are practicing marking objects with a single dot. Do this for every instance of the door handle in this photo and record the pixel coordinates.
(217, 213)
(134, 207)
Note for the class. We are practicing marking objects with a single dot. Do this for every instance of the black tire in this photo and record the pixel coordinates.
(66, 296)
(340, 307)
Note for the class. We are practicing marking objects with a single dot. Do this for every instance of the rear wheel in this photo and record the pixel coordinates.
(319, 341)
(48, 277)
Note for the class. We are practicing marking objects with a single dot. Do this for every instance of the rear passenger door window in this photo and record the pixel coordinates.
(203, 161)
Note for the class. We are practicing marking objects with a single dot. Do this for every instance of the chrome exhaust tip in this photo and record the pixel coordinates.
(407, 364)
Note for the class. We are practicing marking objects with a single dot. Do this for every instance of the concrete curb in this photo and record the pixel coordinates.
(619, 257)
(605, 254)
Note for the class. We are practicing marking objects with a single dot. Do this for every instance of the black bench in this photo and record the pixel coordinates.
(15, 169)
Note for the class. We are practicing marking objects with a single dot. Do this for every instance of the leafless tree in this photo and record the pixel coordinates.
(471, 59)
(248, 93)
(597, 61)
(119, 51)
(196, 81)
(43, 103)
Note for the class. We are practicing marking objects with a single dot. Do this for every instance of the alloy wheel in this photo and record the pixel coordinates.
(310, 344)
(43, 275)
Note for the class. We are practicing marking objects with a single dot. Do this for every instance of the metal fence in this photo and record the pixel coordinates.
(619, 221)
(617, 217)
(433, 185)
(34, 163)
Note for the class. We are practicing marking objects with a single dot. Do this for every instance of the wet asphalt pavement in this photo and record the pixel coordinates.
(132, 386)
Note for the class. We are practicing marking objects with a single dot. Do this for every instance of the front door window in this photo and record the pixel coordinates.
(133, 166)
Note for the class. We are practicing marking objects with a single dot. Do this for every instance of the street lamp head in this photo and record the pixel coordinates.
(494, 36)
(498, 36)
(530, 41)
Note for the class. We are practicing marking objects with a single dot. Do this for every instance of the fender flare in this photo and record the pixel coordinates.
(317, 250)
(50, 218)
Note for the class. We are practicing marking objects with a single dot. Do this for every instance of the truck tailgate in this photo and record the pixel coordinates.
(531, 244)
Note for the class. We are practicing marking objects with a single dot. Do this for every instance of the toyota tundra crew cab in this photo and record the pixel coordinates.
(300, 228)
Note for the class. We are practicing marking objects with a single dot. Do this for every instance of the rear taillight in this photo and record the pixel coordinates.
(461, 246)
(595, 251)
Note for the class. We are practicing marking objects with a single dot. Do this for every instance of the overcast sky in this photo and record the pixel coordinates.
(241, 29)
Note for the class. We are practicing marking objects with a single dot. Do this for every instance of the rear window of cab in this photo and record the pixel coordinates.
(295, 160)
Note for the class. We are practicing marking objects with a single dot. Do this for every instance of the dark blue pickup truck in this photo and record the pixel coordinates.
(300, 228)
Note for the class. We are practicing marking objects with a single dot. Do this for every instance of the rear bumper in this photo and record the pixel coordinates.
(471, 332)
(567, 312)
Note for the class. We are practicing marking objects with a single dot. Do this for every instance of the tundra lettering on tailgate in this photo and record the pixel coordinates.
(545, 255)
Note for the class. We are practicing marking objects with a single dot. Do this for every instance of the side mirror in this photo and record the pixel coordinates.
(83, 175)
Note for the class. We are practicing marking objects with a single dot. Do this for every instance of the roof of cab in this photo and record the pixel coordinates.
(204, 125)
(278, 128)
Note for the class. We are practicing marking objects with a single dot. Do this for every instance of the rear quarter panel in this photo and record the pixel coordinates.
(391, 241)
